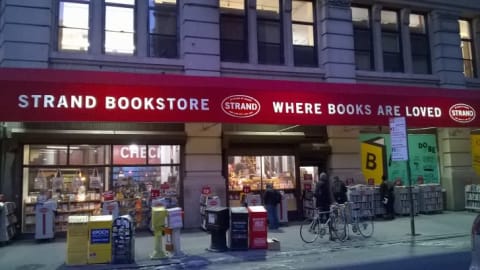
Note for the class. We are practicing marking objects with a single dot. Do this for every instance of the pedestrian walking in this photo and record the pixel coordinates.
(323, 199)
(271, 199)
(386, 193)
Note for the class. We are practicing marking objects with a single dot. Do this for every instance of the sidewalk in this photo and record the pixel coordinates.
(28, 254)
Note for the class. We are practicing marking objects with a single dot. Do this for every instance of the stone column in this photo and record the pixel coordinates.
(203, 166)
(252, 31)
(25, 28)
(405, 36)
(287, 33)
(345, 155)
(377, 39)
(455, 164)
(200, 37)
(337, 53)
(446, 53)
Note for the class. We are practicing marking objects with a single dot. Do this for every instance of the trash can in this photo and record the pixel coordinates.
(238, 236)
(257, 227)
(123, 240)
(217, 224)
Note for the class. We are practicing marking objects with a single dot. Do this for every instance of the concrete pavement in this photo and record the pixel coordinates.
(30, 255)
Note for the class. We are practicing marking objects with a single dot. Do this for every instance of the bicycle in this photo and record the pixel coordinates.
(361, 220)
(312, 228)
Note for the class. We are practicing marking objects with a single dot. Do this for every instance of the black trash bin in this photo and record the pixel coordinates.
(123, 240)
(238, 236)
(217, 224)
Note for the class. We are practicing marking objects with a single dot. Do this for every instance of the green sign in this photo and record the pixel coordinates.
(423, 158)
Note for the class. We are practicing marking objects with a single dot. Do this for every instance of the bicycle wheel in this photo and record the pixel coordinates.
(339, 225)
(365, 224)
(309, 230)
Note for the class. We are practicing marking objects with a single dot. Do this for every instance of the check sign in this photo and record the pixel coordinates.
(398, 134)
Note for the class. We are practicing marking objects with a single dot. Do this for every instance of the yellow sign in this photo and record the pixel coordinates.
(476, 153)
(374, 159)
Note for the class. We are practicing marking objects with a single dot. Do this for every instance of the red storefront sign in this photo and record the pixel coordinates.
(59, 95)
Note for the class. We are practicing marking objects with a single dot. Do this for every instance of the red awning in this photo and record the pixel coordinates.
(67, 95)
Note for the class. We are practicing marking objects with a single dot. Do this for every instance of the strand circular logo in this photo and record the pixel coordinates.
(462, 113)
(240, 106)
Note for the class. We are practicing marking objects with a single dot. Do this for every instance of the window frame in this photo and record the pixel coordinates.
(397, 32)
(58, 36)
(314, 55)
(472, 50)
(279, 21)
(150, 34)
(104, 29)
(243, 17)
(364, 30)
(425, 35)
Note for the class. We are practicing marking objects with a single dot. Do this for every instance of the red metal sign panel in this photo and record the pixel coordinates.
(60, 95)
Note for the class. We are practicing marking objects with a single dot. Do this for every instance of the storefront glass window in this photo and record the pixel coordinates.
(251, 174)
(47, 155)
(76, 175)
(163, 154)
(88, 154)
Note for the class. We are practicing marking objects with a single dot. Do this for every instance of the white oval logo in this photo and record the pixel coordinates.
(462, 113)
(240, 106)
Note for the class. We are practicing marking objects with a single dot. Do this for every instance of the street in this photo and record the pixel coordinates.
(438, 254)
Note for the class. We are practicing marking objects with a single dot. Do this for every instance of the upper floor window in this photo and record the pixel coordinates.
(303, 34)
(163, 28)
(420, 45)
(391, 41)
(362, 35)
(233, 31)
(269, 32)
(467, 45)
(119, 26)
(73, 25)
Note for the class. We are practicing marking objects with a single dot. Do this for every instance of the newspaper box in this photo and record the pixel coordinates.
(123, 240)
(100, 243)
(77, 240)
(257, 227)
(217, 223)
(238, 236)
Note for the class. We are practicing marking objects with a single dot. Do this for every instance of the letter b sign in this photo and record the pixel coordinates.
(371, 161)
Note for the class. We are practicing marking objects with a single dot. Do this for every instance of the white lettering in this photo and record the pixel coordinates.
(48, 101)
(110, 103)
(23, 101)
(36, 100)
(422, 111)
(136, 103)
(124, 153)
(90, 102)
(76, 102)
(182, 104)
(295, 107)
(123, 103)
(62, 102)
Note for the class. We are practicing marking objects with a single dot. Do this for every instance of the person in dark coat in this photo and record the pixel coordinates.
(339, 190)
(386, 193)
(271, 198)
(323, 198)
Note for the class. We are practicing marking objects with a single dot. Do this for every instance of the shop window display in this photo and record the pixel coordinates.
(255, 172)
(143, 173)
(75, 176)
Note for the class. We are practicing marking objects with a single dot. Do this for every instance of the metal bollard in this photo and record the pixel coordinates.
(475, 264)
